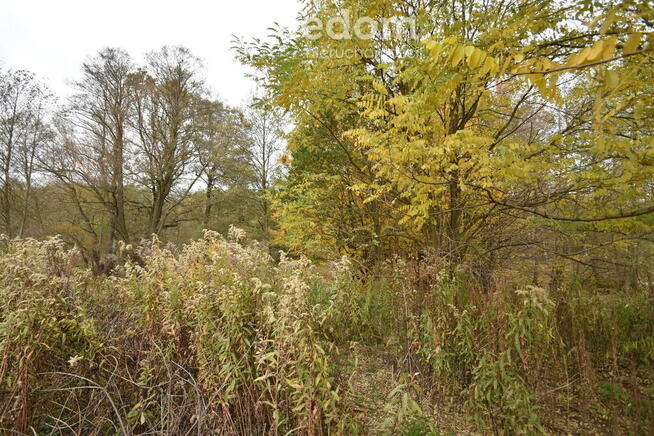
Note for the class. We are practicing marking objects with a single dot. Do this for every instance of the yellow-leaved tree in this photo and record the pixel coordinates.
(464, 121)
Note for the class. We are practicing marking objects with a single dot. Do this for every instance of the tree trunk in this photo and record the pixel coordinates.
(7, 173)
(454, 252)
(23, 221)
(119, 188)
(208, 205)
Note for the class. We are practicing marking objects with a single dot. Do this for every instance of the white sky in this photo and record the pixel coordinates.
(52, 37)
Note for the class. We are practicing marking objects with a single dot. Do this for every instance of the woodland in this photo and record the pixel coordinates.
(444, 226)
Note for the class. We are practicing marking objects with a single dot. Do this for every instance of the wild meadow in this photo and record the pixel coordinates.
(217, 337)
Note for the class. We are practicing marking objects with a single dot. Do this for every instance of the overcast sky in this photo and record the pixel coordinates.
(52, 37)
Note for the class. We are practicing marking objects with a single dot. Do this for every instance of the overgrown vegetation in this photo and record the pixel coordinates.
(458, 237)
(219, 337)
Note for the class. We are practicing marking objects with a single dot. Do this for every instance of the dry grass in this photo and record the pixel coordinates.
(219, 338)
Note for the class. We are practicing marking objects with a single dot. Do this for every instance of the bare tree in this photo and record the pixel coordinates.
(171, 117)
(103, 107)
(223, 155)
(266, 143)
(23, 131)
(29, 150)
(92, 149)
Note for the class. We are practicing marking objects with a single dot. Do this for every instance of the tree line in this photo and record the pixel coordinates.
(475, 142)
(136, 150)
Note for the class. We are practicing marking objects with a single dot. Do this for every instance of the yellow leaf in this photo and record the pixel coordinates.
(579, 58)
(491, 67)
(593, 23)
(614, 111)
(631, 46)
(595, 51)
(457, 55)
(379, 87)
(612, 79)
(573, 60)
(476, 58)
(608, 48)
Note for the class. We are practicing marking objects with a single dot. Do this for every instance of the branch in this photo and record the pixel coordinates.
(577, 67)
(622, 215)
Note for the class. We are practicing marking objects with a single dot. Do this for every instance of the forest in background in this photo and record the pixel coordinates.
(136, 150)
(445, 227)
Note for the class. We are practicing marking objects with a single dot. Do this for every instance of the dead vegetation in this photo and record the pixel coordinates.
(219, 338)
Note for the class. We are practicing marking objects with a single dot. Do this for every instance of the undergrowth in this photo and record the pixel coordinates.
(217, 337)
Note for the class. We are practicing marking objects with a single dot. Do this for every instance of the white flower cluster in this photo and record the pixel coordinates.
(537, 297)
